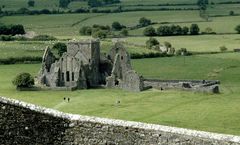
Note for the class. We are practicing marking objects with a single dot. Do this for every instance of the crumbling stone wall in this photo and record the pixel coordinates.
(26, 124)
(205, 86)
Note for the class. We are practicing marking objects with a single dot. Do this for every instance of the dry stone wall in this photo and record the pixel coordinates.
(26, 124)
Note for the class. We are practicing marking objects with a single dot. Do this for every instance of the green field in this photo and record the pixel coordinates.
(216, 113)
(69, 24)
(201, 43)
(36, 48)
(208, 112)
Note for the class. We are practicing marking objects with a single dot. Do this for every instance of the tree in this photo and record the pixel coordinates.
(185, 30)
(164, 31)
(60, 47)
(31, 3)
(124, 32)
(101, 34)
(149, 31)
(167, 44)
(85, 30)
(117, 26)
(17, 29)
(182, 51)
(151, 42)
(143, 22)
(94, 3)
(231, 13)
(23, 80)
(64, 3)
(194, 29)
(238, 29)
(223, 48)
(202, 4)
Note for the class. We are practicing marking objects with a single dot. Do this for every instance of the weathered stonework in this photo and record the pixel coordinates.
(82, 67)
(26, 124)
(204, 86)
(123, 76)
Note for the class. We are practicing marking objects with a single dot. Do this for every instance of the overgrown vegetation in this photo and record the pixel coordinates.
(11, 29)
(172, 30)
(23, 80)
(60, 48)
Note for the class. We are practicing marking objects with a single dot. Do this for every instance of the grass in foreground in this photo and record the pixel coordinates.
(216, 113)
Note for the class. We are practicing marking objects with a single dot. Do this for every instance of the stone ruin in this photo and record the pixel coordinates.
(83, 67)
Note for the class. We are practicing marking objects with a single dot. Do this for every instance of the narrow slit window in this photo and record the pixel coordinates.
(72, 76)
(68, 76)
(63, 76)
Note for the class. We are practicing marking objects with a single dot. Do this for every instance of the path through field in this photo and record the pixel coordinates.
(63, 103)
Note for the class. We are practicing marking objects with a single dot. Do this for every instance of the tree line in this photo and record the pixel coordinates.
(11, 29)
(172, 30)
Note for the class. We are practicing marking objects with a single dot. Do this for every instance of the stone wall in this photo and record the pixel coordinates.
(22, 124)
(205, 86)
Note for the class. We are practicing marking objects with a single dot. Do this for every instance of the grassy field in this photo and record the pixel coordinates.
(36, 48)
(201, 43)
(69, 24)
(216, 113)
(39, 4)
(208, 112)
(217, 24)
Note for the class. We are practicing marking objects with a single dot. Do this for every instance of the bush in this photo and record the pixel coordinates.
(182, 51)
(6, 38)
(194, 29)
(64, 3)
(208, 30)
(11, 29)
(60, 47)
(43, 38)
(101, 34)
(117, 26)
(238, 29)
(85, 30)
(167, 44)
(124, 32)
(223, 48)
(31, 3)
(24, 59)
(149, 31)
(185, 30)
(23, 80)
(164, 31)
(231, 13)
(152, 42)
(143, 22)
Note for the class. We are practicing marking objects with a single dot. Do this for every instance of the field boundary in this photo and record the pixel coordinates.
(87, 130)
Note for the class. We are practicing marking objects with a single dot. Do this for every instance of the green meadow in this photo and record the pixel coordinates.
(208, 112)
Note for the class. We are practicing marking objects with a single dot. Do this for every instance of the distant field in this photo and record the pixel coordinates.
(216, 113)
(36, 48)
(201, 43)
(69, 24)
(217, 24)
(39, 4)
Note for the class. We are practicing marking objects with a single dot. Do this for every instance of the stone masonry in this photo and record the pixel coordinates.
(82, 67)
(26, 124)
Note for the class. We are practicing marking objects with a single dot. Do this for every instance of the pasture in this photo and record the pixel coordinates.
(36, 48)
(216, 113)
(200, 43)
(208, 112)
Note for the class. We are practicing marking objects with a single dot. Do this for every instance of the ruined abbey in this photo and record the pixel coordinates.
(83, 66)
